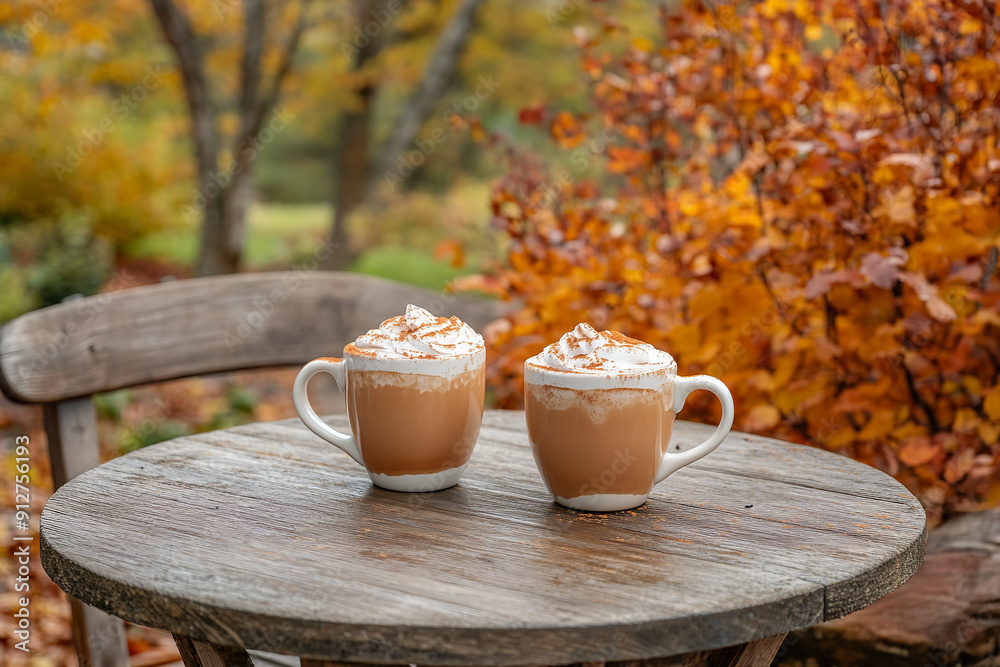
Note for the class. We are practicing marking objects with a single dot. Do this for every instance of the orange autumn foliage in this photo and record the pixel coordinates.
(799, 197)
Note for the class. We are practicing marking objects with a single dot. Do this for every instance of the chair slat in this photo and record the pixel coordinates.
(99, 638)
(60, 356)
(201, 326)
(71, 431)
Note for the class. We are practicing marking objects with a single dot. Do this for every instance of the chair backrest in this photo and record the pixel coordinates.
(201, 326)
(61, 355)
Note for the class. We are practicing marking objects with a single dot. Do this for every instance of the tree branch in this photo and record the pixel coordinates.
(988, 269)
(253, 49)
(928, 411)
(440, 70)
(268, 100)
(253, 107)
(180, 36)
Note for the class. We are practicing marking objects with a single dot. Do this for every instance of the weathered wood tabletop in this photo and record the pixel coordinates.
(264, 537)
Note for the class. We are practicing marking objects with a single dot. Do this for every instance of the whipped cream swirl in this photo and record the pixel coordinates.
(418, 335)
(586, 350)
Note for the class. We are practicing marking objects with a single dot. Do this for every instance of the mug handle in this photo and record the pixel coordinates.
(672, 462)
(338, 370)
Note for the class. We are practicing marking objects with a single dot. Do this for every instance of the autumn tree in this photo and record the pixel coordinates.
(74, 191)
(357, 172)
(800, 197)
(224, 159)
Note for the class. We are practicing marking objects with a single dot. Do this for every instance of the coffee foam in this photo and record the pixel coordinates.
(423, 383)
(599, 403)
(443, 367)
(587, 359)
(417, 334)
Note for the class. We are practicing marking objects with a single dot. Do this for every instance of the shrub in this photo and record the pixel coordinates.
(800, 198)
(71, 262)
(43, 262)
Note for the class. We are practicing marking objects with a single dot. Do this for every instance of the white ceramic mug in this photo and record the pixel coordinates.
(602, 441)
(414, 422)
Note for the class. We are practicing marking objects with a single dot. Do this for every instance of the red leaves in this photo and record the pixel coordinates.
(883, 270)
(921, 165)
(919, 451)
(452, 250)
(814, 228)
(821, 283)
(928, 293)
(531, 115)
(566, 130)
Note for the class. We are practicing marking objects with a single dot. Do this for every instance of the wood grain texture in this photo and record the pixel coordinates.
(262, 536)
(205, 325)
(759, 653)
(202, 654)
(71, 432)
(99, 639)
(312, 662)
(946, 614)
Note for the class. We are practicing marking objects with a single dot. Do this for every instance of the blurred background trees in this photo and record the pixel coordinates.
(355, 177)
(224, 163)
(140, 153)
(801, 197)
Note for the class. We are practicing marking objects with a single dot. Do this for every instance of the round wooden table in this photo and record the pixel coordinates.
(264, 537)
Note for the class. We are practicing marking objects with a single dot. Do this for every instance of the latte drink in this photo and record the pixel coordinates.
(415, 392)
(600, 410)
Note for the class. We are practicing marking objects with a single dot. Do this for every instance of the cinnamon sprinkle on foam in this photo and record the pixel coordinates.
(417, 334)
(585, 350)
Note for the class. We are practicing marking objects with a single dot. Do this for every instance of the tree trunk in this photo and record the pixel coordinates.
(224, 195)
(223, 225)
(222, 248)
(209, 263)
(234, 215)
(351, 163)
(356, 178)
(437, 77)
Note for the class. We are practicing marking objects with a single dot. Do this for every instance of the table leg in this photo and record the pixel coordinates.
(759, 653)
(99, 638)
(313, 662)
(203, 654)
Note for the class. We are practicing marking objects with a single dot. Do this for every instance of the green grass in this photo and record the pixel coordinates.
(292, 177)
(176, 247)
(407, 265)
(276, 235)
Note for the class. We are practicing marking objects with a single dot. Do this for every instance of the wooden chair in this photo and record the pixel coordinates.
(60, 356)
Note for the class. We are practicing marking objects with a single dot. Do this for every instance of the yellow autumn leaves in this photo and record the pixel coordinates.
(799, 207)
